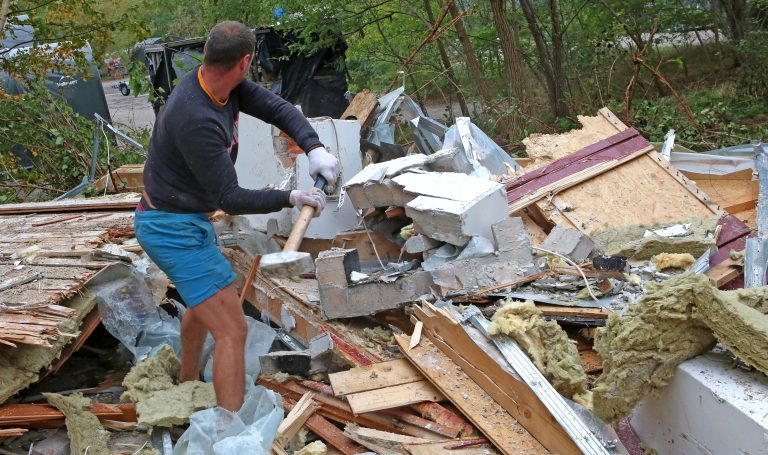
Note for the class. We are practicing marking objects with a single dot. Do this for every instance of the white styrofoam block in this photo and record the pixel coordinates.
(709, 408)
(258, 167)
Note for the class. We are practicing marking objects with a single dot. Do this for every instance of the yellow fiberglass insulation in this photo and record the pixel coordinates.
(553, 353)
(676, 320)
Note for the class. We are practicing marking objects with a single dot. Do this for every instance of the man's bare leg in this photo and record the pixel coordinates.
(193, 334)
(223, 315)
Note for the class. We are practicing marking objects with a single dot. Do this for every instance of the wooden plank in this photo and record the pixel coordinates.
(476, 404)
(393, 397)
(121, 202)
(573, 312)
(726, 271)
(440, 448)
(361, 108)
(295, 419)
(498, 381)
(339, 411)
(33, 415)
(372, 377)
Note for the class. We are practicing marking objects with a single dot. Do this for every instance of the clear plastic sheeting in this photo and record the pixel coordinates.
(257, 343)
(127, 309)
(485, 156)
(251, 430)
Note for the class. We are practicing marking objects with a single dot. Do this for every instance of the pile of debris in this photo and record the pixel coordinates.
(462, 301)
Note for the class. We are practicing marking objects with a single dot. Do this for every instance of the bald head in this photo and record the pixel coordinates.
(227, 43)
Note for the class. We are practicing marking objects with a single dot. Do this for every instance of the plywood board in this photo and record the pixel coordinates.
(125, 201)
(484, 412)
(637, 192)
(372, 377)
(394, 397)
(545, 148)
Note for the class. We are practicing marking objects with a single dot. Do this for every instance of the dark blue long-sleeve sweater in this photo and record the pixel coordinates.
(190, 165)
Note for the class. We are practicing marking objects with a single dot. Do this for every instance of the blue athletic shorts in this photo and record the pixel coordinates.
(184, 246)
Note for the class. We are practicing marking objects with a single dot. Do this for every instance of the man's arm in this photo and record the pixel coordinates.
(203, 149)
(261, 103)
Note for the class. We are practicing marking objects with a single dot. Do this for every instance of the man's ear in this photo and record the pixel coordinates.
(245, 62)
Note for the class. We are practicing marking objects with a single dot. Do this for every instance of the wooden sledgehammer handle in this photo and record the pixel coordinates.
(302, 223)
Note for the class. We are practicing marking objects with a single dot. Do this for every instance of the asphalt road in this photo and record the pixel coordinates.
(128, 112)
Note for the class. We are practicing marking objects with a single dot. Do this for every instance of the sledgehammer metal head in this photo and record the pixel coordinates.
(291, 262)
(286, 264)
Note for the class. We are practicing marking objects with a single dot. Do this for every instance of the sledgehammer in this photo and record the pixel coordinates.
(290, 261)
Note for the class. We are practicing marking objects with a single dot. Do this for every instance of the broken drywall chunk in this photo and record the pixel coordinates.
(553, 353)
(374, 174)
(335, 266)
(418, 243)
(510, 235)
(573, 244)
(370, 298)
(455, 222)
(664, 261)
(86, 435)
(630, 241)
(450, 160)
(642, 348)
(173, 406)
(492, 270)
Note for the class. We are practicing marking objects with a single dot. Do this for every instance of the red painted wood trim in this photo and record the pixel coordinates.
(558, 170)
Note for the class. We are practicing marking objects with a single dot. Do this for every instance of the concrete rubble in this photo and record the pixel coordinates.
(456, 291)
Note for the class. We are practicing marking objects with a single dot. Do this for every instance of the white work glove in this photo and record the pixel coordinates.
(323, 163)
(316, 199)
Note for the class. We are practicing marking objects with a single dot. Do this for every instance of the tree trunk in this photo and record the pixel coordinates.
(4, 15)
(446, 62)
(734, 14)
(510, 49)
(545, 63)
(473, 64)
(557, 60)
(513, 64)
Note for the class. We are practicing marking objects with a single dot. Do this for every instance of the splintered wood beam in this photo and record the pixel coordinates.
(471, 399)
(295, 419)
(495, 377)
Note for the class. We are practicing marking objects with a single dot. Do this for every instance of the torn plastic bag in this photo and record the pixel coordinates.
(251, 430)
(481, 151)
(257, 343)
